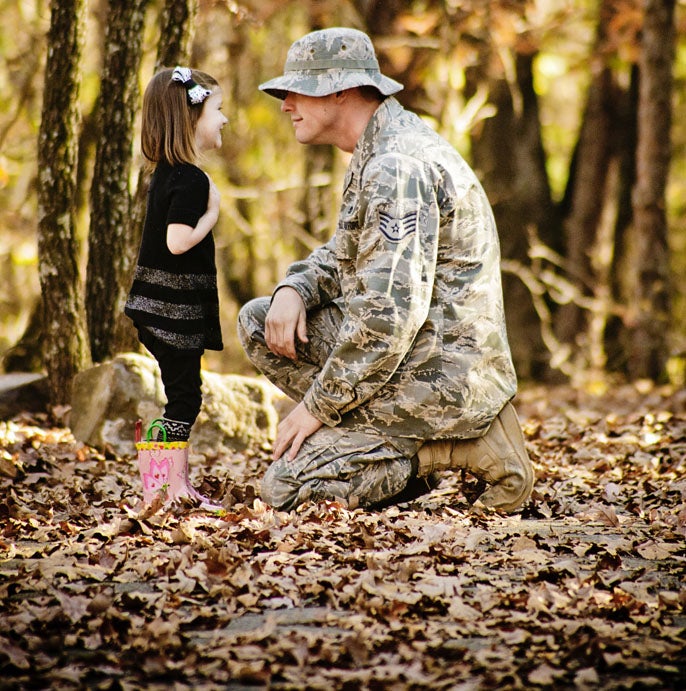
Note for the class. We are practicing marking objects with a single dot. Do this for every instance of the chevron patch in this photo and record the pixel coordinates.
(394, 228)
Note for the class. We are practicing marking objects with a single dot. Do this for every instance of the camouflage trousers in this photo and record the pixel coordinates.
(335, 462)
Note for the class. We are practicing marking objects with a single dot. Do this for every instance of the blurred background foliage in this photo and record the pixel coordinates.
(279, 199)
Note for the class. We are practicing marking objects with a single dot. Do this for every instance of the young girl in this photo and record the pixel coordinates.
(173, 301)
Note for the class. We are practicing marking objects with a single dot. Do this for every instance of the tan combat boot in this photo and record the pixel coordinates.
(499, 458)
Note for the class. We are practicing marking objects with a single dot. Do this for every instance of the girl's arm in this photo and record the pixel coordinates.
(181, 237)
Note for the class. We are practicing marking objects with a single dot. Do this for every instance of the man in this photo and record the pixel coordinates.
(391, 337)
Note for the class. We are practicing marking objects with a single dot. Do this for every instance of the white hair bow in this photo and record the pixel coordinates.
(196, 93)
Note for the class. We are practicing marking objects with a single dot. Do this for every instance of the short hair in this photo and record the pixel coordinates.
(371, 93)
(169, 120)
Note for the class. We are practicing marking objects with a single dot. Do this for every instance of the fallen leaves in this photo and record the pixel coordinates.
(584, 589)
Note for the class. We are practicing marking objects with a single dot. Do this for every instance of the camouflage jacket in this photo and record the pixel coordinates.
(415, 267)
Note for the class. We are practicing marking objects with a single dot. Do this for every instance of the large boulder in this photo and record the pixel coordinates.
(238, 412)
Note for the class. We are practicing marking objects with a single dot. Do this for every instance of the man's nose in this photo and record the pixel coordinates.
(286, 104)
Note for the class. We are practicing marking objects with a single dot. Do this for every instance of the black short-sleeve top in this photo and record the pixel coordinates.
(175, 296)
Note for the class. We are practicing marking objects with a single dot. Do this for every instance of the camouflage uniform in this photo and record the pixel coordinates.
(335, 462)
(405, 318)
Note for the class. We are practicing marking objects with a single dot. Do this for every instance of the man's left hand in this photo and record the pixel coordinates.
(293, 430)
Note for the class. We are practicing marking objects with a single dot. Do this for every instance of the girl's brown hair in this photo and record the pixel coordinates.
(168, 126)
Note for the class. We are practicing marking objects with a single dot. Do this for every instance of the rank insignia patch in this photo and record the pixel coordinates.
(394, 228)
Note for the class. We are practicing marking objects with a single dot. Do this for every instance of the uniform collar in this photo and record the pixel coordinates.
(388, 110)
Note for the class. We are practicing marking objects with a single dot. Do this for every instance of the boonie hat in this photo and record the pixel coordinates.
(330, 60)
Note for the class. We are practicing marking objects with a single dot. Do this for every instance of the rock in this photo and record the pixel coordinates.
(23, 392)
(238, 412)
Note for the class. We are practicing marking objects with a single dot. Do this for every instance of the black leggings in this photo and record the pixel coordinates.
(180, 370)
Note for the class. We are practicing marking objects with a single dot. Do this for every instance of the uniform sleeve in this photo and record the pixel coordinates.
(189, 192)
(315, 278)
(394, 267)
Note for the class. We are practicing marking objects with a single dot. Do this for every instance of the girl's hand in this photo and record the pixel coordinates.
(213, 199)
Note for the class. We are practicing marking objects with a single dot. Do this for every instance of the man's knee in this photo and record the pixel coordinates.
(251, 318)
(278, 487)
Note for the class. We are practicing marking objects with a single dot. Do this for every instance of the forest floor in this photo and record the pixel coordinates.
(585, 589)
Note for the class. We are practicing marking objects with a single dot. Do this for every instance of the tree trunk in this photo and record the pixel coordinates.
(508, 157)
(625, 146)
(176, 34)
(65, 343)
(585, 197)
(649, 284)
(109, 261)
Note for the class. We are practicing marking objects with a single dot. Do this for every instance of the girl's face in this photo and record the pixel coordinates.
(208, 131)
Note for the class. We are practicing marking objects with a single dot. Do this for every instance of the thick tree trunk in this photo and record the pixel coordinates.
(109, 261)
(176, 32)
(649, 284)
(64, 327)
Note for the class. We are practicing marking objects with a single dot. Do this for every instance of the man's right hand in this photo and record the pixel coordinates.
(285, 321)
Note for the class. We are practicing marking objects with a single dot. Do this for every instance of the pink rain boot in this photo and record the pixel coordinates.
(179, 481)
(163, 468)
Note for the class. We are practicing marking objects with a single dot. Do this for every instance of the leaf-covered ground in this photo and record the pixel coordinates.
(585, 589)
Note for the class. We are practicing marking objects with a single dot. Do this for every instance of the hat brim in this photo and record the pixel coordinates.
(326, 82)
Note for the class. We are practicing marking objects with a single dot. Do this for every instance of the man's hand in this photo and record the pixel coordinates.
(294, 429)
(285, 320)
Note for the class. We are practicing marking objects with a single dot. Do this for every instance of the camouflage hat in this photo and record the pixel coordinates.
(324, 62)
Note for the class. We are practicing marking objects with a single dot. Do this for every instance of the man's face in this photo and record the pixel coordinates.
(315, 118)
